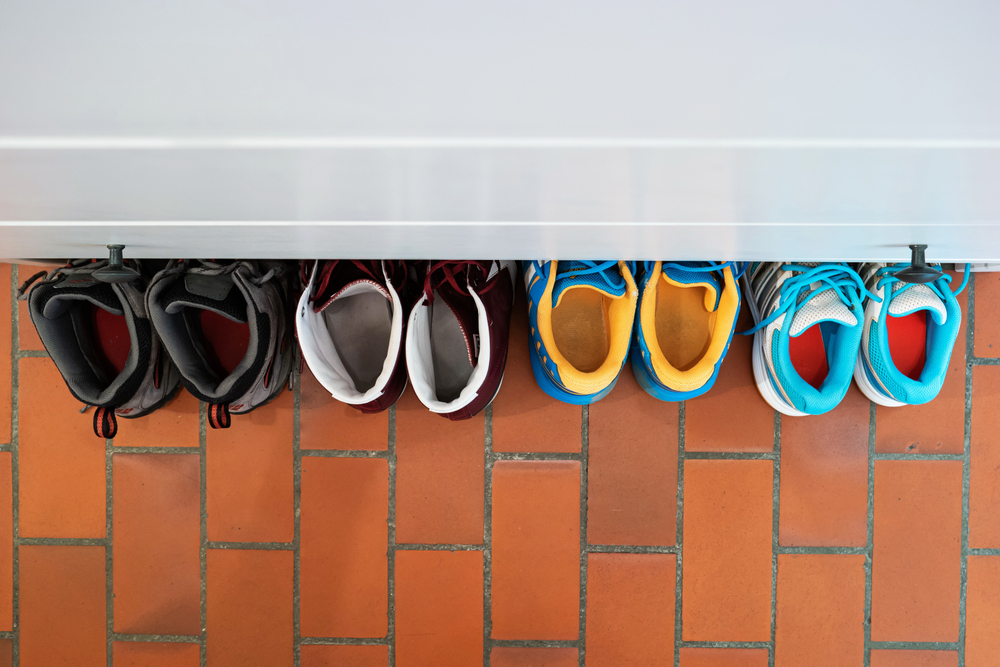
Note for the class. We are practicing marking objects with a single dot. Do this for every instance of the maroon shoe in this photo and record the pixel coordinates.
(351, 325)
(456, 346)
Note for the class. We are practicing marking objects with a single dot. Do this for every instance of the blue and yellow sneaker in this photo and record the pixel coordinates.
(683, 326)
(809, 318)
(581, 316)
(909, 333)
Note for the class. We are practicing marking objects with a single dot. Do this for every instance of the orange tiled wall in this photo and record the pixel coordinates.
(537, 534)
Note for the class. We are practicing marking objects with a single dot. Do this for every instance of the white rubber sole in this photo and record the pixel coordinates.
(868, 389)
(760, 374)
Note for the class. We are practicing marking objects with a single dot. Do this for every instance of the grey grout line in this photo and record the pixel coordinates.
(919, 457)
(536, 456)
(15, 343)
(970, 333)
(36, 354)
(296, 379)
(536, 643)
(869, 548)
(584, 460)
(629, 549)
(343, 453)
(679, 541)
(731, 456)
(439, 547)
(155, 450)
(390, 636)
(832, 551)
(109, 551)
(62, 541)
(757, 645)
(345, 641)
(203, 539)
(252, 546)
(983, 361)
(982, 552)
(775, 533)
(917, 646)
(172, 639)
(489, 458)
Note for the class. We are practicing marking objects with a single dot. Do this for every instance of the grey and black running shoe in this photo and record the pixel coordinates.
(101, 340)
(227, 328)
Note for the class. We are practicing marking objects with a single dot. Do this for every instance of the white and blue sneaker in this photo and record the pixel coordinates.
(808, 324)
(909, 332)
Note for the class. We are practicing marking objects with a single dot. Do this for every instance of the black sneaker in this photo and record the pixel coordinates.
(101, 340)
(227, 329)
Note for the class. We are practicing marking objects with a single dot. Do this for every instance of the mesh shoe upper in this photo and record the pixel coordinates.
(898, 300)
(351, 325)
(788, 300)
(251, 294)
(66, 307)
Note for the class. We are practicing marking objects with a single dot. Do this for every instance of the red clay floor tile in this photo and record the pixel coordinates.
(173, 425)
(439, 608)
(727, 550)
(917, 658)
(27, 336)
(509, 656)
(6, 544)
(525, 418)
(824, 477)
(5, 358)
(325, 423)
(63, 606)
(632, 459)
(820, 610)
(6, 653)
(723, 657)
(156, 654)
(440, 469)
(61, 463)
(344, 656)
(708, 421)
(536, 550)
(987, 334)
(917, 551)
(157, 536)
(982, 615)
(937, 427)
(984, 471)
(249, 607)
(249, 476)
(630, 609)
(344, 537)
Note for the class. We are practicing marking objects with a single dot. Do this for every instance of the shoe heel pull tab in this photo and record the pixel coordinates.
(218, 415)
(105, 423)
(23, 289)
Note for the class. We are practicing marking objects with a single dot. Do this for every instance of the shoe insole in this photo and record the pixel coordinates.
(908, 342)
(808, 355)
(111, 340)
(683, 326)
(225, 341)
(449, 353)
(580, 329)
(360, 326)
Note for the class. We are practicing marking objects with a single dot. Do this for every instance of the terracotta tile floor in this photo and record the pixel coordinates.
(538, 534)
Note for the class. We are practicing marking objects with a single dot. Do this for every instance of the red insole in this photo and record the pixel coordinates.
(113, 341)
(809, 355)
(908, 342)
(225, 341)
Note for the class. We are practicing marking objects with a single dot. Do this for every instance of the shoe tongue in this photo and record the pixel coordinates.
(463, 306)
(824, 306)
(82, 288)
(603, 281)
(710, 280)
(906, 300)
(217, 293)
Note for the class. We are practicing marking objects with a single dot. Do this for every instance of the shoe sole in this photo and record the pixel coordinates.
(868, 389)
(760, 374)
